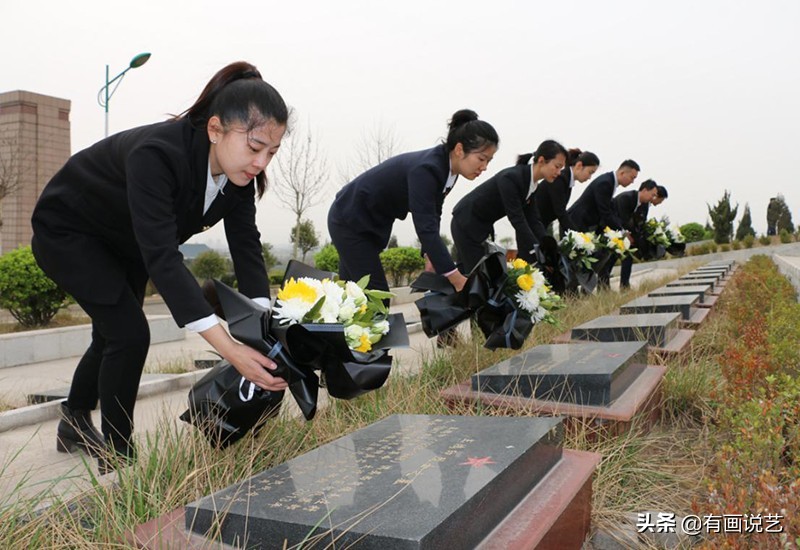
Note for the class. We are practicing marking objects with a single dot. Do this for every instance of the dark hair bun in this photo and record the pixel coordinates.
(461, 117)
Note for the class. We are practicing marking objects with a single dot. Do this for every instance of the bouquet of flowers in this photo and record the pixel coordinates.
(505, 299)
(527, 286)
(616, 242)
(338, 328)
(579, 248)
(656, 234)
(674, 234)
(360, 310)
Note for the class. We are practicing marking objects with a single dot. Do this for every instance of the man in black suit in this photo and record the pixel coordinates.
(594, 210)
(632, 207)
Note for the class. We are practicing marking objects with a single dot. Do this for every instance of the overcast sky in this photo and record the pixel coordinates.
(703, 94)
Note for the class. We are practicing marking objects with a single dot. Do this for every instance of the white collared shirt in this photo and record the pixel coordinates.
(451, 178)
(571, 178)
(616, 182)
(533, 186)
(213, 188)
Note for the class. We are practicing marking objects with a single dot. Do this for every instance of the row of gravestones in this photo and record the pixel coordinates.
(495, 481)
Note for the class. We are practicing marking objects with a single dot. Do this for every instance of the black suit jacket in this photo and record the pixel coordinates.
(632, 218)
(552, 199)
(594, 209)
(503, 195)
(129, 201)
(411, 182)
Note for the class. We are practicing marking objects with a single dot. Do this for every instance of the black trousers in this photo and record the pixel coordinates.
(359, 255)
(626, 266)
(111, 368)
(470, 250)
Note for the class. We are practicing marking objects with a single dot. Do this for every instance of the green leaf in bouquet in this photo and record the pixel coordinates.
(313, 313)
(380, 294)
(363, 282)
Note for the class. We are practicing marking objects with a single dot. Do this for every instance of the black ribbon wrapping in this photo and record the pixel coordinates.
(225, 406)
(482, 297)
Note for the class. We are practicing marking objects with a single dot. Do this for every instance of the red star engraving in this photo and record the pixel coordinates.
(476, 462)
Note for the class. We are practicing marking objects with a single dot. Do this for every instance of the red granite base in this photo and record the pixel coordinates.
(168, 532)
(641, 400)
(677, 345)
(709, 300)
(696, 318)
(556, 514)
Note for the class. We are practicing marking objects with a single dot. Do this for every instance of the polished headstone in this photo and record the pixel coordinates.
(683, 304)
(407, 481)
(704, 275)
(697, 290)
(584, 373)
(693, 282)
(657, 329)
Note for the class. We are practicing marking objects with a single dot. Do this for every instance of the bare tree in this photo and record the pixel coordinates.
(373, 147)
(301, 176)
(11, 162)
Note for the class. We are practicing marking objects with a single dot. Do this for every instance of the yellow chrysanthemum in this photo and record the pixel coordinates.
(586, 238)
(525, 282)
(297, 289)
(366, 345)
(363, 308)
(519, 263)
(618, 243)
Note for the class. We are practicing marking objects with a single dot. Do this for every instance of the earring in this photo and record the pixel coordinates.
(214, 141)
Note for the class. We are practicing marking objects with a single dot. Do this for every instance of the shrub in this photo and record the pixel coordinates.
(402, 263)
(785, 236)
(748, 241)
(25, 291)
(736, 245)
(725, 248)
(765, 240)
(209, 265)
(327, 259)
(693, 232)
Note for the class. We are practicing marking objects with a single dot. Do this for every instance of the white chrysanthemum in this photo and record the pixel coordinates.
(334, 295)
(346, 311)
(296, 299)
(354, 292)
(380, 327)
(529, 301)
(353, 332)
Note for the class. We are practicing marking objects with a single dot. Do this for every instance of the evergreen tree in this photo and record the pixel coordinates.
(745, 225)
(722, 216)
(784, 220)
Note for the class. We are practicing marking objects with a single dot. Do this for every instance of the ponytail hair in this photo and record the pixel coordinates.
(473, 134)
(548, 149)
(237, 93)
(574, 156)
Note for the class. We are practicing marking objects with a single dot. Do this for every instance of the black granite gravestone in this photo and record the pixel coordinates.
(697, 290)
(692, 282)
(582, 373)
(683, 304)
(717, 276)
(657, 329)
(407, 481)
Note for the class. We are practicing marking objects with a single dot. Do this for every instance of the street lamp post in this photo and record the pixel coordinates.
(105, 94)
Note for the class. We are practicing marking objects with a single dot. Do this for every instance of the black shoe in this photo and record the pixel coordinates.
(76, 432)
(117, 453)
